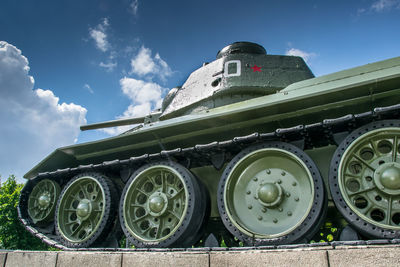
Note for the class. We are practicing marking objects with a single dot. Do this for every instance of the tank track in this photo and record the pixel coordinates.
(304, 136)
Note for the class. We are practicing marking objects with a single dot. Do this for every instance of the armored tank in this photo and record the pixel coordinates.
(251, 148)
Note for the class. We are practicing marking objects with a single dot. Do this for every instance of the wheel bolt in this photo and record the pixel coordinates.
(264, 210)
(288, 194)
(259, 218)
(255, 197)
(296, 198)
(279, 181)
(289, 213)
(255, 179)
(280, 209)
(248, 192)
(294, 183)
(249, 207)
(275, 220)
(283, 173)
(268, 171)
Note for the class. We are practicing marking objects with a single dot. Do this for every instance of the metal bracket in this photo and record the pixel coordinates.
(218, 160)
(299, 143)
(339, 137)
(126, 174)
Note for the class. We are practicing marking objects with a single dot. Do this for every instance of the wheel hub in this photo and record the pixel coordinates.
(387, 178)
(157, 203)
(84, 208)
(44, 200)
(270, 194)
(390, 178)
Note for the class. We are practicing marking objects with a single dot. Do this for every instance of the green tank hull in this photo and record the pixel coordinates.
(249, 149)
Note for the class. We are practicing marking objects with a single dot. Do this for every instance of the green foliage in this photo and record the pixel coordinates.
(12, 234)
(327, 233)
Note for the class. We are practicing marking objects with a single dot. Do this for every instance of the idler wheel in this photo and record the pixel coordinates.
(365, 179)
(271, 193)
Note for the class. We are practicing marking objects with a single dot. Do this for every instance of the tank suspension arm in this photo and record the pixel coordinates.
(113, 123)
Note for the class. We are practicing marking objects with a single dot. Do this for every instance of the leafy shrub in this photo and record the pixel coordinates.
(12, 234)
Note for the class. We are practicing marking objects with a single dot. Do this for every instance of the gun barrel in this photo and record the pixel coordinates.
(113, 123)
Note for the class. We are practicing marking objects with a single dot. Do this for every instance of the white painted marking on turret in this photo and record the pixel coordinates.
(238, 66)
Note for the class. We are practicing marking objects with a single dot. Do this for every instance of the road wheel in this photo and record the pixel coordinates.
(86, 210)
(271, 193)
(365, 179)
(162, 206)
(42, 201)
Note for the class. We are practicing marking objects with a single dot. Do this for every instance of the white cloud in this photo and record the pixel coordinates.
(144, 64)
(144, 96)
(101, 39)
(87, 87)
(33, 122)
(361, 11)
(379, 6)
(297, 52)
(137, 110)
(133, 7)
(384, 5)
(99, 35)
(108, 66)
(140, 91)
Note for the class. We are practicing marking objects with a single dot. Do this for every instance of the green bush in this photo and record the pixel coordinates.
(12, 234)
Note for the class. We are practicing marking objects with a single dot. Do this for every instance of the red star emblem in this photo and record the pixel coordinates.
(256, 68)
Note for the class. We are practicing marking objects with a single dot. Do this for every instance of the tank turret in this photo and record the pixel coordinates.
(242, 71)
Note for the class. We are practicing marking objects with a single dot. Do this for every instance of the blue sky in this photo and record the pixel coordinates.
(65, 63)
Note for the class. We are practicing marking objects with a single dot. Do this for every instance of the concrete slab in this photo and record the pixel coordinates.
(31, 259)
(270, 258)
(388, 255)
(384, 256)
(3, 256)
(159, 259)
(86, 259)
